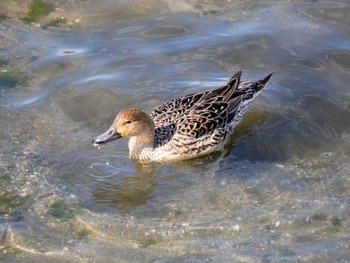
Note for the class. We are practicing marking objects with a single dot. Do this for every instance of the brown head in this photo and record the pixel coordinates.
(130, 122)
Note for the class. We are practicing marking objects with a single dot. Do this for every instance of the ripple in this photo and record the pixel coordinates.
(104, 167)
(98, 77)
(340, 59)
(312, 64)
(76, 105)
(165, 31)
(100, 169)
(112, 180)
(326, 11)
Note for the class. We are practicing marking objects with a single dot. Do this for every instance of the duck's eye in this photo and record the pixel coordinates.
(127, 122)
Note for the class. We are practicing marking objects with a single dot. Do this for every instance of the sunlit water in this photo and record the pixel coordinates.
(278, 192)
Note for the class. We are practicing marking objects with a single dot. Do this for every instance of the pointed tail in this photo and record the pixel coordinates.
(262, 82)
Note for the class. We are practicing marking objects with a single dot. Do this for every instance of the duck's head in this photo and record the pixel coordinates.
(130, 122)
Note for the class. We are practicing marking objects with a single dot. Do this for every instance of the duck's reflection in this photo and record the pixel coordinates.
(134, 190)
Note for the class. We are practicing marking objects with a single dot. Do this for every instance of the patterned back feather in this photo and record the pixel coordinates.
(204, 113)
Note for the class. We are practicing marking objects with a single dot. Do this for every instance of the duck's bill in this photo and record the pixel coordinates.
(110, 135)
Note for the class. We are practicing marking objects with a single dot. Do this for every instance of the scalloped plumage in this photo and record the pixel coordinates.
(185, 127)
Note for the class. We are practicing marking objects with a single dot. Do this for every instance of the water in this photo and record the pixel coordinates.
(278, 192)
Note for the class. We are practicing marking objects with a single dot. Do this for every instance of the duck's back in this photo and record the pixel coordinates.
(199, 123)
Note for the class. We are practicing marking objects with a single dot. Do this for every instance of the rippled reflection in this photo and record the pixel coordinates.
(133, 190)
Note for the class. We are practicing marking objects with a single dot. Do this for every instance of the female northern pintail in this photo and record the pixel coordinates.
(185, 127)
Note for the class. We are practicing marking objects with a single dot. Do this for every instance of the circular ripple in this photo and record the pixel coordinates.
(165, 31)
(340, 60)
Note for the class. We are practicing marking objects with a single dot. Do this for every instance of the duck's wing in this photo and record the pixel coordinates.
(222, 108)
(166, 116)
(170, 111)
(207, 112)
(173, 110)
(203, 119)
(185, 110)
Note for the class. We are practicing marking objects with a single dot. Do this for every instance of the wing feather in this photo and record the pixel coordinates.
(207, 113)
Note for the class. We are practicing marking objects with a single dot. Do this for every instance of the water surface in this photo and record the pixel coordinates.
(278, 192)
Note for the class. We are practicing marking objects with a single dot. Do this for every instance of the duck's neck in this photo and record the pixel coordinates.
(141, 147)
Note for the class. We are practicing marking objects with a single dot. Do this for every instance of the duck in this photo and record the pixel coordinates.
(186, 127)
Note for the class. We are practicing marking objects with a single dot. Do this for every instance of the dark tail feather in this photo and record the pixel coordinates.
(262, 82)
(236, 76)
(248, 92)
(231, 86)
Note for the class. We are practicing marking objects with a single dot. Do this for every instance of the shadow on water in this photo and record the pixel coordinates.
(133, 190)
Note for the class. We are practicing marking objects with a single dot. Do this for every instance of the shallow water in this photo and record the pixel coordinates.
(278, 192)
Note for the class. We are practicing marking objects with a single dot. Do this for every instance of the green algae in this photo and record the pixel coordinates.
(51, 161)
(210, 12)
(335, 221)
(62, 22)
(11, 166)
(8, 202)
(61, 211)
(285, 252)
(22, 154)
(3, 17)
(85, 233)
(38, 9)
(145, 243)
(319, 217)
(57, 22)
(10, 79)
(265, 260)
